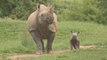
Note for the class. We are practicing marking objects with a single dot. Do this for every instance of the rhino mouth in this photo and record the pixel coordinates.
(49, 22)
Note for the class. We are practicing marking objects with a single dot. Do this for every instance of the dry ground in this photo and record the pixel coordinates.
(20, 56)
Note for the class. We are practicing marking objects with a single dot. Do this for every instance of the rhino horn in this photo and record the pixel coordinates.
(51, 8)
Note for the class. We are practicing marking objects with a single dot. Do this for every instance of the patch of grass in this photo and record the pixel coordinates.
(87, 54)
(90, 34)
(14, 38)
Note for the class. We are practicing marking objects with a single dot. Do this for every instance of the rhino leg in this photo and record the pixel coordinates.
(43, 49)
(49, 42)
(38, 42)
(78, 44)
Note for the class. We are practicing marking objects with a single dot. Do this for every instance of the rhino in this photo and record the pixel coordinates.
(42, 24)
(74, 41)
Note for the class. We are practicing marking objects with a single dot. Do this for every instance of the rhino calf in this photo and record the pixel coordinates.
(42, 24)
(74, 41)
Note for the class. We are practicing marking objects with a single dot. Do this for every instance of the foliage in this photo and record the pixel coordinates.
(84, 10)
(17, 8)
(67, 10)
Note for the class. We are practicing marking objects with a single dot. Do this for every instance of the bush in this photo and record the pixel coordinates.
(67, 10)
(84, 10)
(17, 8)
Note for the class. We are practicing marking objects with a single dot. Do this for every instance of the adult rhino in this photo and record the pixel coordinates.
(42, 24)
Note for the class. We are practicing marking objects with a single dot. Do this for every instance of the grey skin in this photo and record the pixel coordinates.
(74, 41)
(42, 24)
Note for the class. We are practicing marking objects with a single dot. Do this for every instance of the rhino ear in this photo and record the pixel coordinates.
(41, 7)
(71, 31)
(38, 6)
(78, 32)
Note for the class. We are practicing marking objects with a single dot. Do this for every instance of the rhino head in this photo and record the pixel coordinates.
(45, 14)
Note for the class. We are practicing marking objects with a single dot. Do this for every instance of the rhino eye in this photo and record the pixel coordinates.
(42, 15)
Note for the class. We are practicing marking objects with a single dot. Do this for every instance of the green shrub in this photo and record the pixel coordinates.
(84, 10)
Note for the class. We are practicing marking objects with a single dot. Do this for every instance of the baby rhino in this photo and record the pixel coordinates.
(74, 41)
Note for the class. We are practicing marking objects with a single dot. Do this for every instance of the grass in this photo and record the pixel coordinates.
(14, 38)
(88, 54)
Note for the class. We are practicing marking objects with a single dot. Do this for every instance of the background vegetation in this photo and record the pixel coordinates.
(67, 10)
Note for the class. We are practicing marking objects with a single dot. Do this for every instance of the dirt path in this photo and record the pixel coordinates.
(17, 56)
(87, 46)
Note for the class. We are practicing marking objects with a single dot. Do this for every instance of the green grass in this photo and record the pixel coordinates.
(14, 38)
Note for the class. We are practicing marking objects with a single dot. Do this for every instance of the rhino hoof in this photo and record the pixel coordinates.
(50, 52)
(39, 53)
